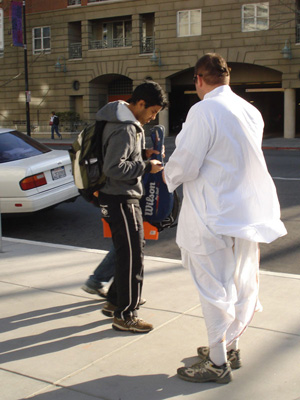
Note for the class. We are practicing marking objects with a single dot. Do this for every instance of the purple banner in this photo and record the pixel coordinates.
(16, 21)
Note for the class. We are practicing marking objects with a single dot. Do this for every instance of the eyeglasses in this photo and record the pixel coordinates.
(195, 77)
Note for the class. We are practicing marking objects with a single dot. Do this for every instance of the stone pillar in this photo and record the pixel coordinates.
(289, 113)
(163, 118)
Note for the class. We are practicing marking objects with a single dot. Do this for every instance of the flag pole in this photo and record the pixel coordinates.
(27, 95)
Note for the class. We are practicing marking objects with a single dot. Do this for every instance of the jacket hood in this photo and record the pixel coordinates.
(117, 112)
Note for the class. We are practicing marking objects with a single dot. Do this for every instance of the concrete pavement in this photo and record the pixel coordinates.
(56, 344)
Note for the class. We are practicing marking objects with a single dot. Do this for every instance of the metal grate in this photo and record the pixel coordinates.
(74, 2)
(298, 33)
(75, 50)
(112, 43)
(147, 44)
(120, 86)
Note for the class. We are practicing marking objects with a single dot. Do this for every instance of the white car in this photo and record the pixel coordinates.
(32, 176)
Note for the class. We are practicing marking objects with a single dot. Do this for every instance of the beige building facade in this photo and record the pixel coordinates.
(84, 53)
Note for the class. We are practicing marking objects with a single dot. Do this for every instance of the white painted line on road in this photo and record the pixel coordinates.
(285, 179)
(57, 246)
(279, 274)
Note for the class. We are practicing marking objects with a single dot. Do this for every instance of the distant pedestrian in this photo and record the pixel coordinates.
(54, 122)
(229, 206)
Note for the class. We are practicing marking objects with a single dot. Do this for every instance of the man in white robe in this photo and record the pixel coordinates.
(229, 205)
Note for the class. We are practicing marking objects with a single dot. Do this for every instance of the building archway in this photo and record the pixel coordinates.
(259, 85)
(106, 88)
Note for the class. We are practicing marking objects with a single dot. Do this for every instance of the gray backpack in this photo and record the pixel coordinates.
(87, 162)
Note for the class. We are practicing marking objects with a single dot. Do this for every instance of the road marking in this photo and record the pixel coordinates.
(285, 179)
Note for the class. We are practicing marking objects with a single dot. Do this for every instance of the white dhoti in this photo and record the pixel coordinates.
(227, 281)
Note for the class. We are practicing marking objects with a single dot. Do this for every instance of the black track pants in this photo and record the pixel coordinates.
(126, 224)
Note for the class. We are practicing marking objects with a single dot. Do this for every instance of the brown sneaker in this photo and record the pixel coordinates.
(206, 371)
(132, 324)
(108, 309)
(233, 356)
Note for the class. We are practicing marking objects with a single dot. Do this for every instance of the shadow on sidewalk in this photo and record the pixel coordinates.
(146, 387)
(52, 340)
(47, 314)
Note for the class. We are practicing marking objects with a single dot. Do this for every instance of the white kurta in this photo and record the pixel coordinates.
(227, 188)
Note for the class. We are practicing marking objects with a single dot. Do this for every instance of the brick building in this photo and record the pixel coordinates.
(83, 53)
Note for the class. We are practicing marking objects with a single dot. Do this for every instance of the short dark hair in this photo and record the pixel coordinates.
(213, 68)
(151, 92)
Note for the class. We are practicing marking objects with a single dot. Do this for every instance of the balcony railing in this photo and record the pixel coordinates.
(74, 2)
(298, 33)
(147, 44)
(111, 43)
(75, 50)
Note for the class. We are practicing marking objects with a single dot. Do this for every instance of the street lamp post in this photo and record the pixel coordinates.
(27, 95)
(0, 234)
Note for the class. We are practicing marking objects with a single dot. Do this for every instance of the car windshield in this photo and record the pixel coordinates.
(15, 145)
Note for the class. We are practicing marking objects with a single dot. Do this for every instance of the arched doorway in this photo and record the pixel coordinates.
(106, 88)
(260, 86)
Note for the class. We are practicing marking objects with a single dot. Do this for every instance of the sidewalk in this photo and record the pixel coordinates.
(56, 344)
(268, 144)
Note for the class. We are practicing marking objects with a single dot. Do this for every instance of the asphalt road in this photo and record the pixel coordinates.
(79, 223)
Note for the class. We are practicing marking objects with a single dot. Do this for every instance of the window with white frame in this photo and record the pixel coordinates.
(189, 23)
(255, 17)
(41, 38)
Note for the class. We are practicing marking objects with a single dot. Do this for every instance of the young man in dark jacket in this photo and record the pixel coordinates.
(123, 143)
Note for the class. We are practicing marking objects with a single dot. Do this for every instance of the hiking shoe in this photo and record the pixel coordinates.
(132, 324)
(100, 291)
(108, 309)
(206, 371)
(233, 356)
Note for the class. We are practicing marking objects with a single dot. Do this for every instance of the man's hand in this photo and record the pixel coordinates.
(149, 152)
(156, 166)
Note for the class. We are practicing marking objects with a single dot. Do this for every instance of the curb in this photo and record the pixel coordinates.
(280, 148)
(51, 144)
(61, 143)
(70, 141)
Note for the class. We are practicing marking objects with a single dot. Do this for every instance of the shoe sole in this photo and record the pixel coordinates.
(227, 379)
(133, 330)
(93, 291)
(108, 313)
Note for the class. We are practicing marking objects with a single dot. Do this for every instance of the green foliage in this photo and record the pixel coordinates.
(68, 116)
(70, 121)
